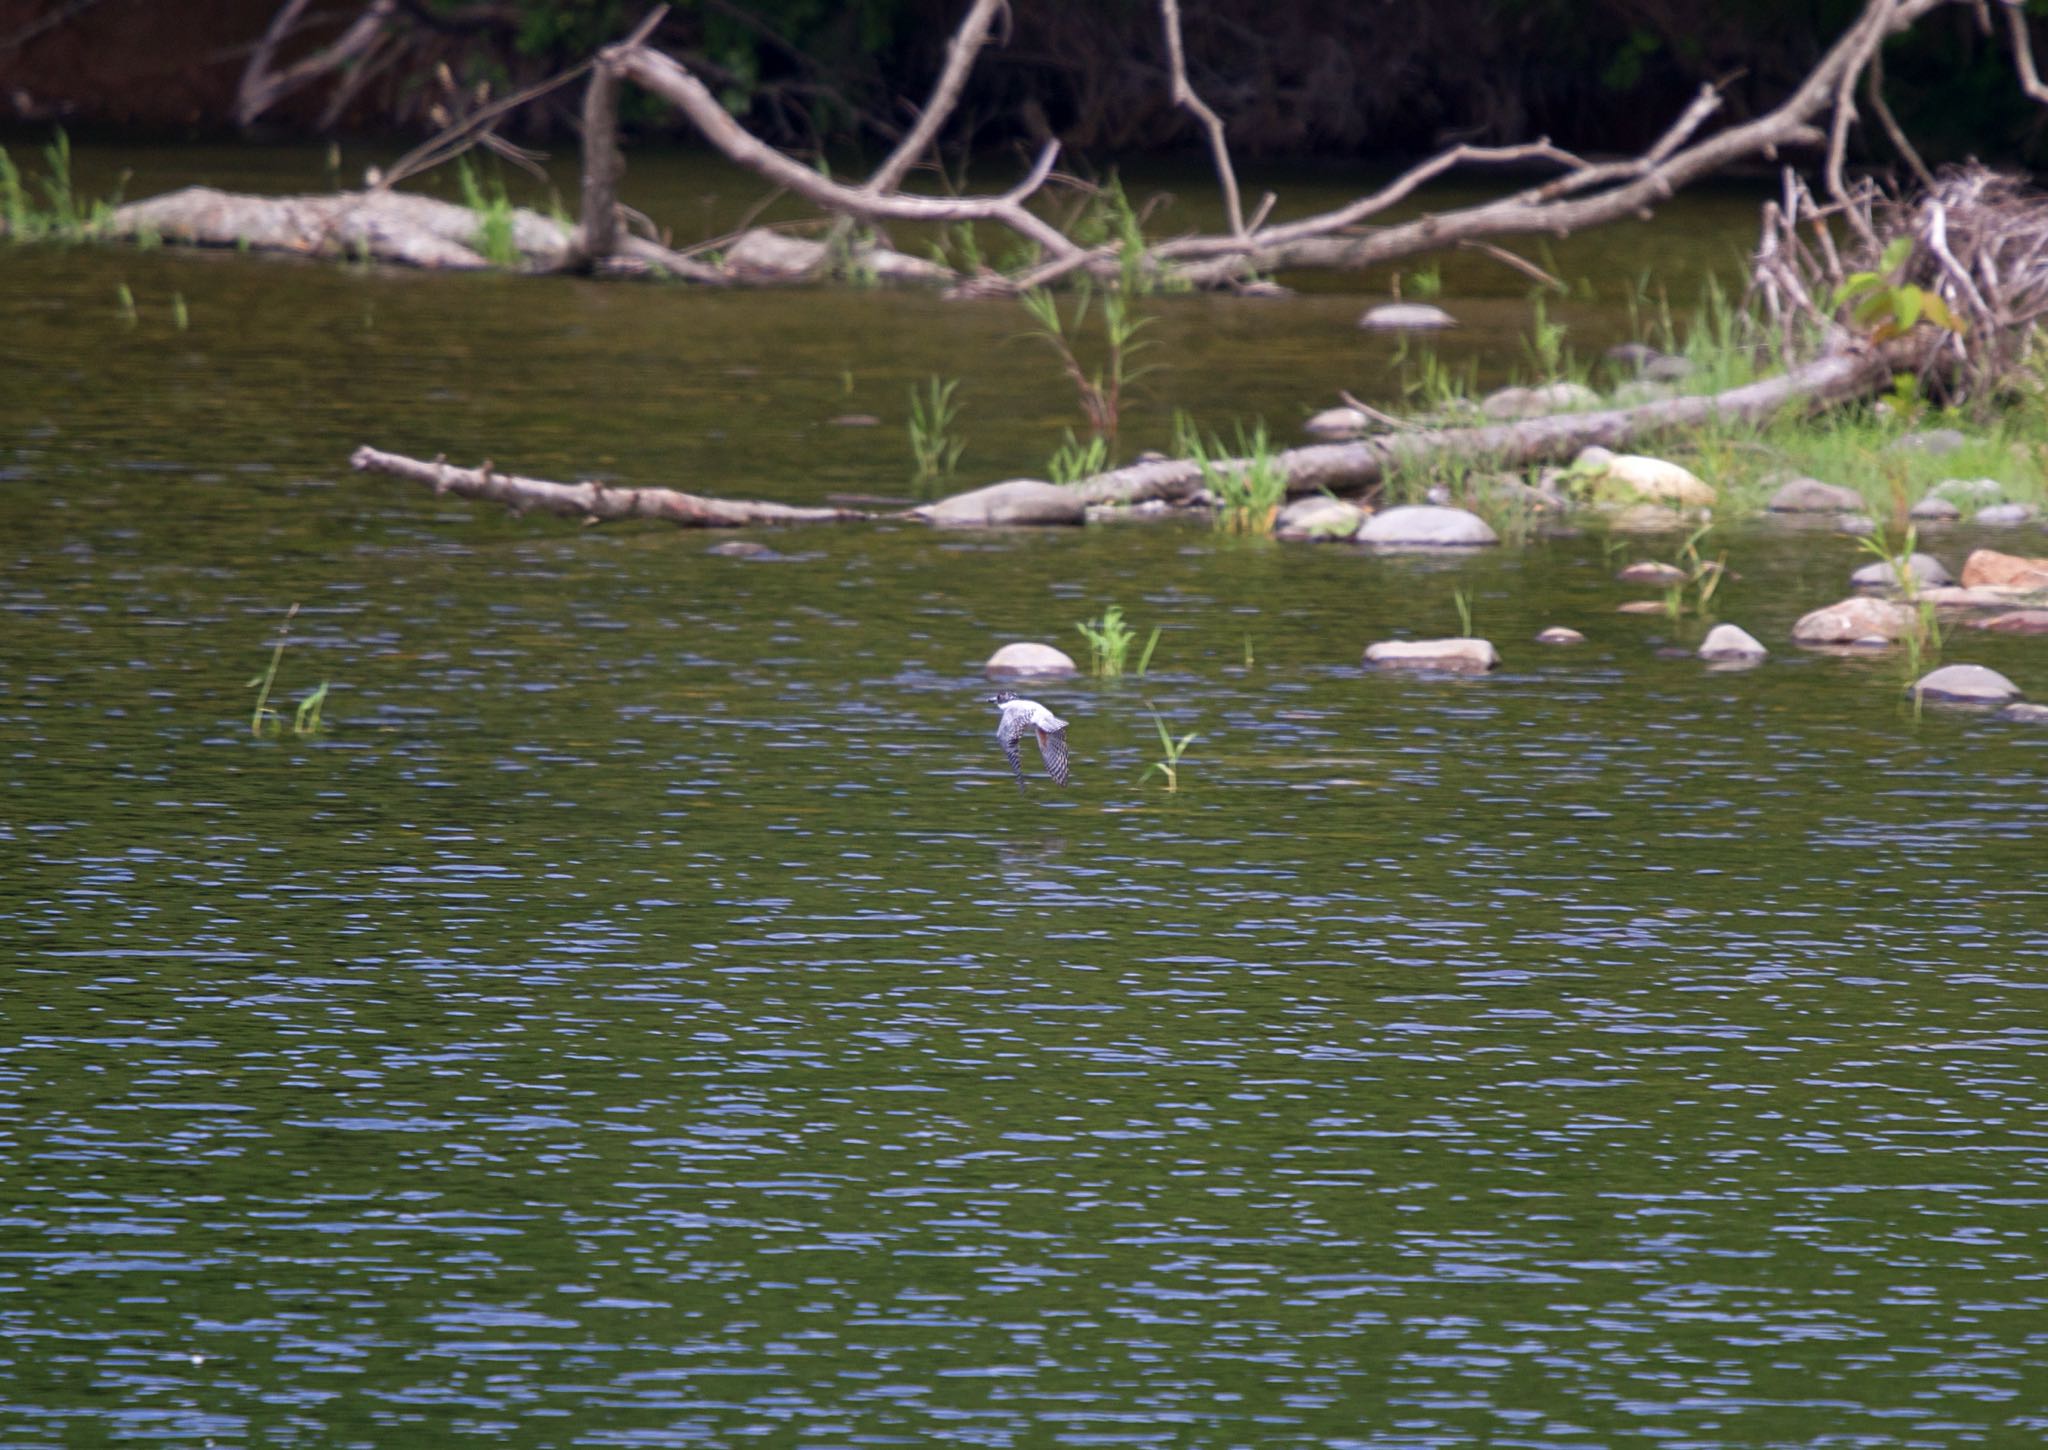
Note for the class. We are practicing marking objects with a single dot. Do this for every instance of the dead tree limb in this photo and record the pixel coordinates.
(262, 87)
(593, 502)
(1184, 96)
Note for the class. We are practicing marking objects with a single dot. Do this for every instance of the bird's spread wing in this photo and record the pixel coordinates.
(1007, 734)
(1052, 744)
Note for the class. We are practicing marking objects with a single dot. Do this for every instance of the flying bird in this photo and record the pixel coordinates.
(1028, 717)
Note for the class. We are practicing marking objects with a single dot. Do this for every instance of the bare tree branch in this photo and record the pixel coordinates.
(261, 87)
(961, 51)
(1184, 96)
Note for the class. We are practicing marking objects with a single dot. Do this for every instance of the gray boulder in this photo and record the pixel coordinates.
(1637, 355)
(1018, 503)
(1965, 685)
(1667, 369)
(2005, 515)
(1932, 510)
(1427, 526)
(1969, 488)
(1405, 316)
(1927, 571)
(1730, 642)
(2025, 714)
(1811, 496)
(1338, 423)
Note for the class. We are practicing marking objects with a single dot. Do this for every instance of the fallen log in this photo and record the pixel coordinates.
(593, 502)
(1367, 463)
(1354, 467)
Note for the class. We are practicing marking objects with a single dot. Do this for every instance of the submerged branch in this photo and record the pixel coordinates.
(591, 501)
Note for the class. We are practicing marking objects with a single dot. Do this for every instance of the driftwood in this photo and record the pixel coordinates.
(1355, 467)
(593, 502)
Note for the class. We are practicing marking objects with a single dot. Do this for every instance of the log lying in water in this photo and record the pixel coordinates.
(591, 501)
(1360, 466)
(388, 226)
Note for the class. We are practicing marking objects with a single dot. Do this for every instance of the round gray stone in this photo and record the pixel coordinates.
(1427, 526)
(2005, 515)
(1931, 510)
(1966, 685)
(1731, 642)
(1811, 496)
(1018, 503)
(1927, 571)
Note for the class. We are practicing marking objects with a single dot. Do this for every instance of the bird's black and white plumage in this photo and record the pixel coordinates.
(1028, 717)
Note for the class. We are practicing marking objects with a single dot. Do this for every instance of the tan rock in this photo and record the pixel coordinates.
(2015, 621)
(2004, 571)
(1661, 576)
(1654, 479)
(1855, 621)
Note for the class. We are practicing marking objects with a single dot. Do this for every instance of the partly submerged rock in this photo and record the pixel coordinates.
(2005, 515)
(1979, 489)
(1646, 518)
(2014, 621)
(1811, 496)
(1318, 518)
(1642, 606)
(1559, 634)
(742, 549)
(1856, 621)
(1668, 369)
(1659, 576)
(1654, 479)
(1017, 503)
(1427, 526)
(1338, 423)
(2025, 714)
(1925, 568)
(1987, 568)
(1395, 316)
(1965, 685)
(1857, 526)
(1931, 510)
(1637, 355)
(1025, 658)
(1729, 642)
(1461, 655)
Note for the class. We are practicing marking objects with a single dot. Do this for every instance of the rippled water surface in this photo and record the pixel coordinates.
(649, 1014)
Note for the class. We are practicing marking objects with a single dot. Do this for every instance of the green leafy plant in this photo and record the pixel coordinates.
(60, 211)
(496, 226)
(933, 443)
(1545, 343)
(1249, 485)
(1074, 460)
(1099, 390)
(1462, 599)
(1109, 643)
(124, 303)
(1170, 750)
(265, 720)
(1886, 306)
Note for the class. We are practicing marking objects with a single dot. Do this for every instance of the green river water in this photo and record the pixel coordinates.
(650, 1015)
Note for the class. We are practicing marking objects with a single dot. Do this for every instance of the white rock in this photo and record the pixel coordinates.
(1966, 685)
(1427, 526)
(1656, 479)
(2026, 714)
(1559, 634)
(1029, 659)
(1317, 517)
(1389, 316)
(1731, 642)
(1462, 655)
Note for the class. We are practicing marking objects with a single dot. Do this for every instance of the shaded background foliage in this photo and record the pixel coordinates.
(1289, 76)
